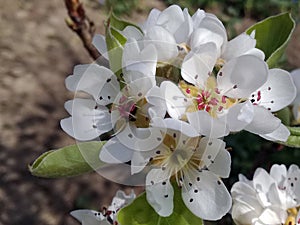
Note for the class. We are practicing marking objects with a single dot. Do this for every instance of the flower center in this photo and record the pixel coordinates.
(292, 216)
(208, 98)
(131, 111)
(176, 157)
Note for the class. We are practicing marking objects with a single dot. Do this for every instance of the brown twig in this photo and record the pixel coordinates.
(79, 22)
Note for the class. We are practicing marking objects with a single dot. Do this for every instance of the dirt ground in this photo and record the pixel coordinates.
(37, 52)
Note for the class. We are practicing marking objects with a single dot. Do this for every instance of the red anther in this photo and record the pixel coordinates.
(223, 99)
(199, 98)
(214, 101)
(220, 108)
(132, 108)
(205, 94)
(217, 91)
(207, 108)
(201, 106)
(188, 91)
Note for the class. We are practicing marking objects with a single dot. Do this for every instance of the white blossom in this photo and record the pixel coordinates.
(269, 198)
(127, 111)
(195, 163)
(242, 94)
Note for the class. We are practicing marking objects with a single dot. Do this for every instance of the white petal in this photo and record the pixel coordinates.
(95, 80)
(171, 18)
(272, 216)
(280, 198)
(198, 64)
(140, 139)
(294, 182)
(136, 59)
(221, 165)
(241, 76)
(207, 198)
(203, 36)
(185, 29)
(120, 200)
(239, 116)
(164, 42)
(279, 134)
(140, 159)
(211, 27)
(262, 181)
(278, 91)
(175, 99)
(139, 87)
(242, 214)
(264, 122)
(209, 149)
(296, 78)
(198, 17)
(207, 125)
(89, 217)
(256, 52)
(87, 122)
(245, 210)
(158, 106)
(151, 20)
(175, 125)
(115, 152)
(132, 32)
(279, 173)
(100, 44)
(239, 46)
(242, 188)
(159, 192)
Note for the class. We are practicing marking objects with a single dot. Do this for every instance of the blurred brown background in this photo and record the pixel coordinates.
(37, 52)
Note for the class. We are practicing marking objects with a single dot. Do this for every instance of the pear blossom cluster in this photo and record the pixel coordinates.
(270, 198)
(170, 129)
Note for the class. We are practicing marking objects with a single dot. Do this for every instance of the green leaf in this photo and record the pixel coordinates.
(68, 161)
(294, 138)
(120, 24)
(272, 35)
(139, 212)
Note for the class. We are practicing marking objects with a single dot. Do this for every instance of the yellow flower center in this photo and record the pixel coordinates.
(292, 216)
(208, 98)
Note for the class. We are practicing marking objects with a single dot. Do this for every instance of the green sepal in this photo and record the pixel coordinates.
(68, 161)
(272, 36)
(115, 42)
(139, 212)
(284, 115)
(294, 138)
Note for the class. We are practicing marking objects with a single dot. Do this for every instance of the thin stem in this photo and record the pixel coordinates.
(80, 23)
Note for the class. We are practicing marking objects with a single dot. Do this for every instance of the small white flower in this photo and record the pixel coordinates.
(108, 216)
(241, 95)
(194, 163)
(269, 198)
(128, 110)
